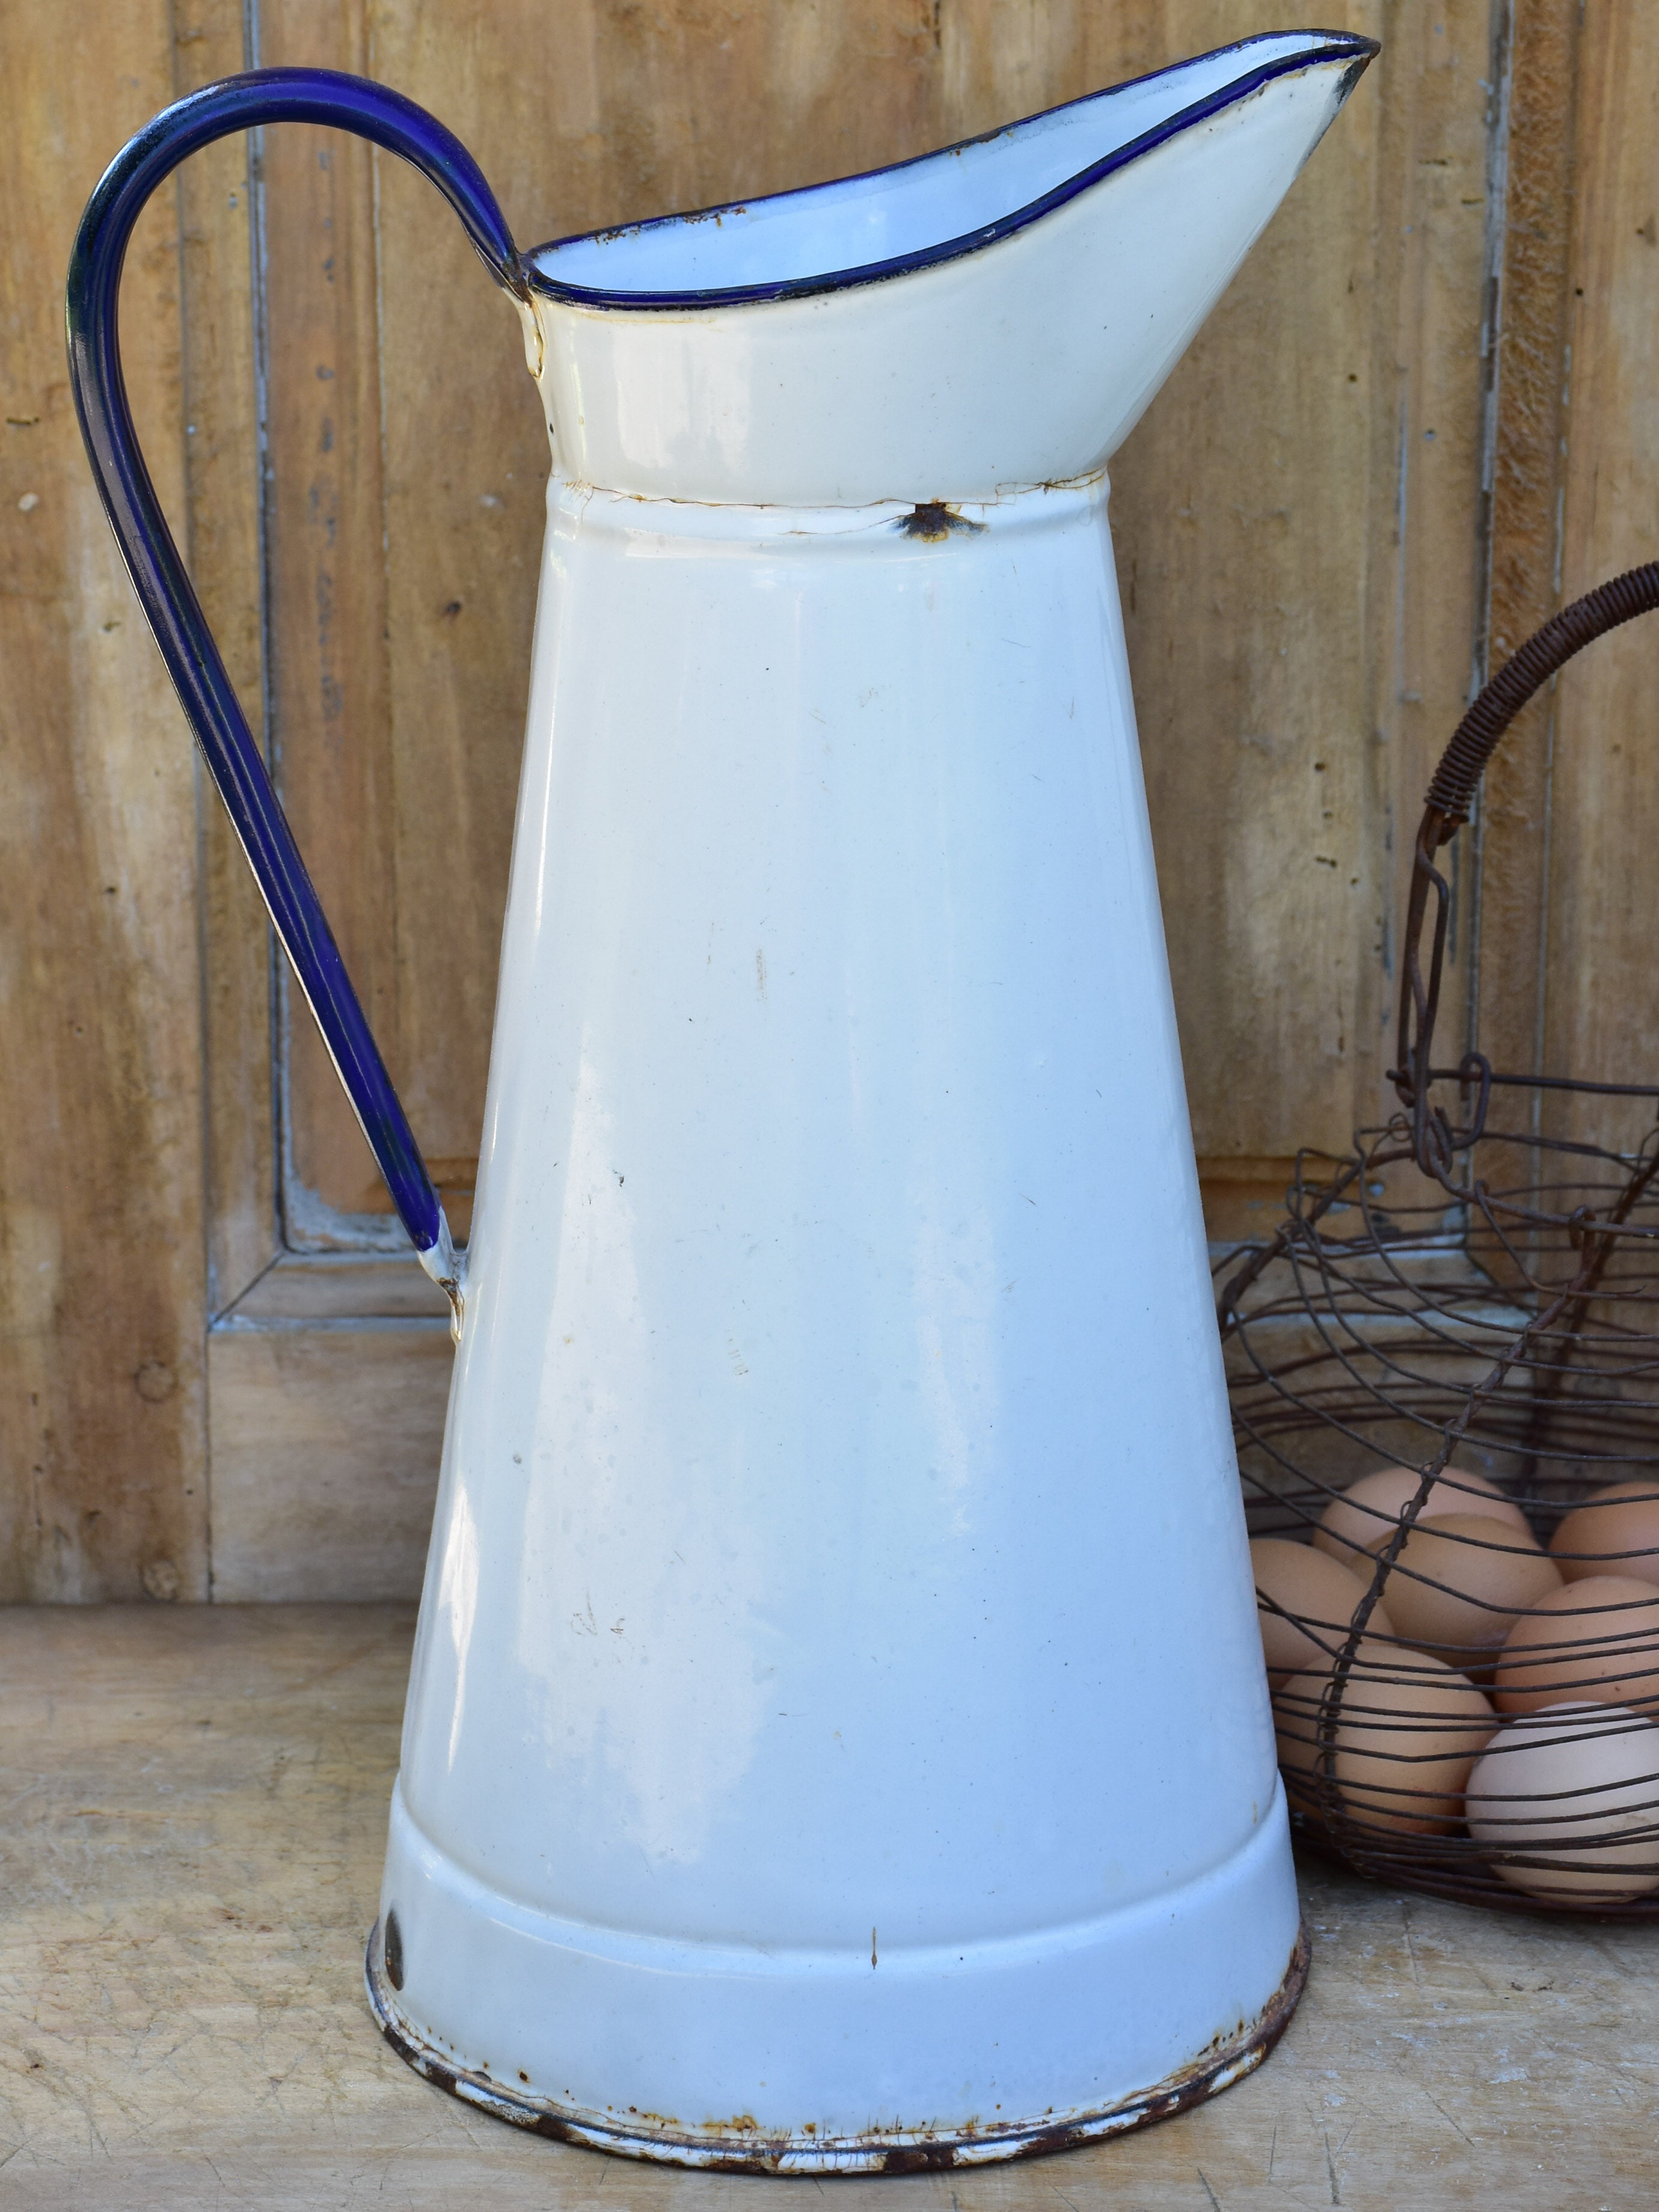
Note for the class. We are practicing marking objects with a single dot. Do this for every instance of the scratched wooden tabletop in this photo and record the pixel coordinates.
(195, 1800)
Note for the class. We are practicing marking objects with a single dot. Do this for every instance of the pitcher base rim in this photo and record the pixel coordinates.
(900, 2151)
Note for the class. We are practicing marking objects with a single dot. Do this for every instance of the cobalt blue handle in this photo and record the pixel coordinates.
(242, 103)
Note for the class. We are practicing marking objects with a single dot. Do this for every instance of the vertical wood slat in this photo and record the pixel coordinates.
(1532, 327)
(1428, 582)
(334, 739)
(1601, 1010)
(221, 457)
(102, 1280)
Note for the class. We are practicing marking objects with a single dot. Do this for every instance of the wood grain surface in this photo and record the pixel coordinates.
(192, 1861)
(103, 1435)
(1532, 323)
(1320, 444)
(1419, 418)
(1601, 991)
(326, 1435)
(221, 404)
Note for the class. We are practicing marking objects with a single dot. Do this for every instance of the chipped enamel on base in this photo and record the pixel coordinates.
(812, 2024)
(887, 2151)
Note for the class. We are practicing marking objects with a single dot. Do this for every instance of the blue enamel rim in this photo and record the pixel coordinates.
(159, 577)
(1338, 45)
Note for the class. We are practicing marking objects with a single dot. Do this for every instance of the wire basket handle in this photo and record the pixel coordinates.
(1450, 796)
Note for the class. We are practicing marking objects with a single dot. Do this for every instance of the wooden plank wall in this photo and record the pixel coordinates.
(1294, 658)
(1598, 988)
(1372, 456)
(103, 1439)
(1564, 975)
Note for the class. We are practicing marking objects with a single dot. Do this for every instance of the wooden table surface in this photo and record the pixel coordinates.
(195, 1804)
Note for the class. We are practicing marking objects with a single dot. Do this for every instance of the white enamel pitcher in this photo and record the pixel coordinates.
(837, 1737)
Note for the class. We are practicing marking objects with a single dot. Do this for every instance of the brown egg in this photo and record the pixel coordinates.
(1619, 1523)
(1522, 1797)
(1409, 1729)
(1460, 1582)
(1373, 1506)
(1595, 1642)
(1322, 1596)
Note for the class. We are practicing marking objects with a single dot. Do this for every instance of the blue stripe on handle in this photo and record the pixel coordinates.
(242, 103)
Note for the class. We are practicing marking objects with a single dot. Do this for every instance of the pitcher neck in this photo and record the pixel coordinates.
(574, 507)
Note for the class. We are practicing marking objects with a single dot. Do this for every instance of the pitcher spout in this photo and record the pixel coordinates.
(993, 316)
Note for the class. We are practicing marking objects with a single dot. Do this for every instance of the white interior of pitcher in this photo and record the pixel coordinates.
(854, 228)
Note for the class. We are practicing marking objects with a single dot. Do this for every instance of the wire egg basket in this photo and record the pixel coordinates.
(1440, 1367)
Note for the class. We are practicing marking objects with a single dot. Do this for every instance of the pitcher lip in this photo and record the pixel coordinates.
(1333, 46)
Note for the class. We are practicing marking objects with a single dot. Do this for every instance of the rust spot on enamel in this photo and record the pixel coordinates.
(933, 520)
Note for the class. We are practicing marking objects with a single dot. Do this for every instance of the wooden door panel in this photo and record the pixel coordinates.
(1296, 655)
(1302, 541)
